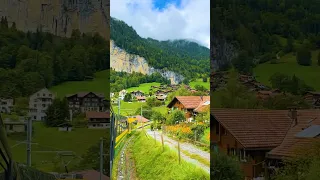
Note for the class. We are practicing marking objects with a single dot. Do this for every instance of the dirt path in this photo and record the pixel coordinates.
(185, 147)
(126, 166)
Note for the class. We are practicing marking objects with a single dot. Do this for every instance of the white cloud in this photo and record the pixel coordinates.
(189, 21)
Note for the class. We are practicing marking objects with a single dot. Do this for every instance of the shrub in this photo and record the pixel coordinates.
(175, 117)
(225, 167)
(304, 57)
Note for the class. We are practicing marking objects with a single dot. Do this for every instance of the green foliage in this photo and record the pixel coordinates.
(123, 80)
(285, 101)
(127, 97)
(198, 130)
(180, 56)
(289, 84)
(91, 159)
(304, 57)
(289, 46)
(225, 167)
(57, 112)
(182, 91)
(200, 88)
(175, 117)
(304, 166)
(243, 63)
(146, 111)
(235, 95)
(153, 102)
(33, 60)
(319, 58)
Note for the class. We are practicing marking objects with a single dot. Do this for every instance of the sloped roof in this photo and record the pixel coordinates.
(255, 128)
(83, 94)
(189, 102)
(142, 119)
(291, 143)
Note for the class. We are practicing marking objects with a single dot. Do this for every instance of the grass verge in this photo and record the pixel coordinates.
(197, 157)
(152, 163)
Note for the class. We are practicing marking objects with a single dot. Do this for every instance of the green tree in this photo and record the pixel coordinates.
(200, 88)
(289, 46)
(243, 63)
(127, 97)
(57, 113)
(225, 167)
(304, 57)
(176, 116)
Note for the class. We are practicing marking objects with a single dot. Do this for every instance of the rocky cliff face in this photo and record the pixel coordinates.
(58, 17)
(120, 60)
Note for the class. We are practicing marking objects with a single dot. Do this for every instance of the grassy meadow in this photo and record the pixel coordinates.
(79, 140)
(200, 82)
(100, 83)
(288, 65)
(152, 163)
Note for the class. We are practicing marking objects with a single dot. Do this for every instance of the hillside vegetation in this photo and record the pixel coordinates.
(265, 29)
(31, 61)
(180, 56)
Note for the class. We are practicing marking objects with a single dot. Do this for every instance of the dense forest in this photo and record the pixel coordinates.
(265, 29)
(34, 60)
(180, 56)
(123, 80)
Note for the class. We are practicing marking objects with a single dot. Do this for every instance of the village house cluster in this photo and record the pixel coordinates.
(93, 105)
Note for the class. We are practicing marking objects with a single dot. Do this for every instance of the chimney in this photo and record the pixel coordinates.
(293, 115)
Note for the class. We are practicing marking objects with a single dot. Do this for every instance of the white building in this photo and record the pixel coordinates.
(6, 105)
(38, 104)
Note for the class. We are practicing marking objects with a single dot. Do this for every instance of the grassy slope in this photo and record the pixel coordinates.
(50, 139)
(200, 82)
(288, 65)
(145, 87)
(152, 163)
(99, 84)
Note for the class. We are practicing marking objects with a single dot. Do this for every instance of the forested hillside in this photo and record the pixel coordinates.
(180, 56)
(261, 30)
(123, 80)
(30, 61)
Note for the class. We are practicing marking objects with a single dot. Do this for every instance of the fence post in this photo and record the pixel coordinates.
(162, 142)
(155, 140)
(179, 151)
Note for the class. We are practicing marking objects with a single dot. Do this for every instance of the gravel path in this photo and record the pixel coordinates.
(122, 164)
(191, 149)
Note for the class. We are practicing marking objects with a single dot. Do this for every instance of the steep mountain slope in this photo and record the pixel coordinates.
(174, 59)
(58, 17)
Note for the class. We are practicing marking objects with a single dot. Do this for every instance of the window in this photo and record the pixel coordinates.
(43, 105)
(11, 127)
(34, 117)
(35, 105)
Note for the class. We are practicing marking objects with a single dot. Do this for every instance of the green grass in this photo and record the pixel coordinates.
(288, 65)
(50, 139)
(152, 163)
(204, 138)
(99, 84)
(145, 87)
(200, 82)
(127, 108)
(197, 157)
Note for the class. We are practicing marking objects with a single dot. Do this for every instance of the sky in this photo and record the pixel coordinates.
(166, 19)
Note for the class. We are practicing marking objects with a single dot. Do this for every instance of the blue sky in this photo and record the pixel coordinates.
(161, 4)
(166, 19)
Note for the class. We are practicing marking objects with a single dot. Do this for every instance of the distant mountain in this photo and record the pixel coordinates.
(180, 56)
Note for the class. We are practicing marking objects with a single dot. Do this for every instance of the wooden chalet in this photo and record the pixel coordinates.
(267, 94)
(188, 104)
(137, 93)
(260, 138)
(98, 119)
(141, 98)
(87, 101)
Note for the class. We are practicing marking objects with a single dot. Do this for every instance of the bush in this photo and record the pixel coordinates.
(175, 117)
(198, 129)
(265, 58)
(225, 167)
(304, 57)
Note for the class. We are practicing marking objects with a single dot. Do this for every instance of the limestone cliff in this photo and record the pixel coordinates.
(120, 60)
(59, 17)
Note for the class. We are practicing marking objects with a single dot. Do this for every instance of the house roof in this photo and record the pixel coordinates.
(141, 97)
(93, 114)
(294, 139)
(255, 128)
(313, 93)
(142, 119)
(202, 108)
(189, 102)
(92, 175)
(83, 94)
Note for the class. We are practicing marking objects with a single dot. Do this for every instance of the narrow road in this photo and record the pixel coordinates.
(187, 147)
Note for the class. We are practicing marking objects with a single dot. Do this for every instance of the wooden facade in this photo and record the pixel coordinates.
(90, 101)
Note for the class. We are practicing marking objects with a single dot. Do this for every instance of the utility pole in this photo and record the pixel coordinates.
(29, 136)
(101, 158)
